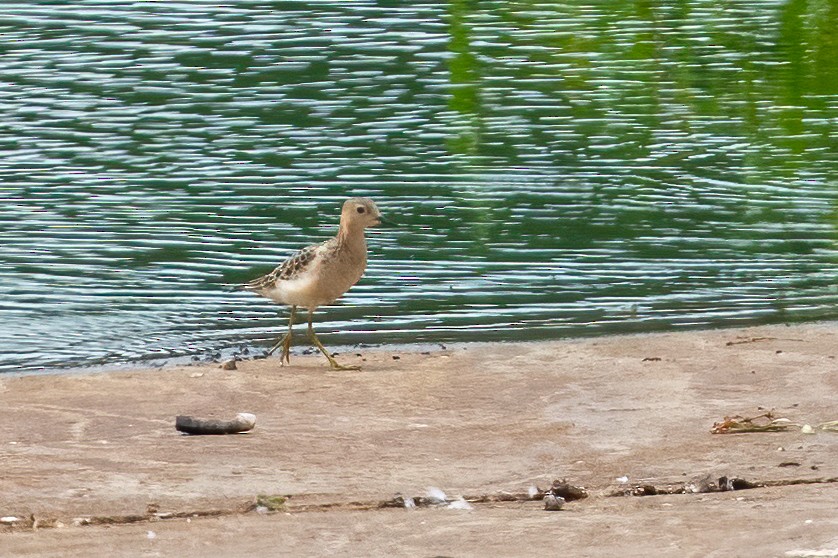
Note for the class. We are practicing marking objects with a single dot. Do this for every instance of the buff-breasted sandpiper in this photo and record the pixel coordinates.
(322, 273)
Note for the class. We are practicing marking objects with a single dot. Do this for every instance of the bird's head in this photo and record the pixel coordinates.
(361, 212)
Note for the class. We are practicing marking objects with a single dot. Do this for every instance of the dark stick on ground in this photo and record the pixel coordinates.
(191, 425)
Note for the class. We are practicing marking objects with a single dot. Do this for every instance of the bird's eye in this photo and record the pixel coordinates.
(361, 210)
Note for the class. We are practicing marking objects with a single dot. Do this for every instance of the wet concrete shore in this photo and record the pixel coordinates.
(92, 464)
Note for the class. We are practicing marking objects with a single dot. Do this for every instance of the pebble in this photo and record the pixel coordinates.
(229, 364)
(553, 503)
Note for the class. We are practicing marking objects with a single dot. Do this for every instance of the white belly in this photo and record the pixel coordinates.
(311, 290)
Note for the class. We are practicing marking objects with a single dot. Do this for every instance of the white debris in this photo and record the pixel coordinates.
(262, 510)
(409, 504)
(460, 504)
(151, 535)
(533, 491)
(436, 495)
(622, 480)
(9, 520)
(807, 429)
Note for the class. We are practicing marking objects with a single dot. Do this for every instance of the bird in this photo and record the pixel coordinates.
(319, 274)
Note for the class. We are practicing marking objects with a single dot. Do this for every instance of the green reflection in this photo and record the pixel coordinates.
(464, 91)
(558, 168)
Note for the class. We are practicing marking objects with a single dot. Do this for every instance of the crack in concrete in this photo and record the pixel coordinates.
(647, 489)
(706, 486)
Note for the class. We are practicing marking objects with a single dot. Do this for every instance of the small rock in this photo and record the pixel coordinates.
(553, 503)
(229, 364)
(645, 490)
(271, 503)
(807, 429)
(562, 488)
(735, 483)
(699, 485)
(196, 375)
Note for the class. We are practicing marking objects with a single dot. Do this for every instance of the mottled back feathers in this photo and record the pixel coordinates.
(291, 268)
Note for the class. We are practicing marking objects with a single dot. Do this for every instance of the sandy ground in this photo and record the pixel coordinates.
(476, 420)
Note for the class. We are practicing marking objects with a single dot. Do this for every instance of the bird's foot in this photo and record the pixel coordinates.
(336, 366)
(285, 344)
(286, 351)
(325, 351)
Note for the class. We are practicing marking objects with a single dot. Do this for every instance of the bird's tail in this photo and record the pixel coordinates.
(238, 287)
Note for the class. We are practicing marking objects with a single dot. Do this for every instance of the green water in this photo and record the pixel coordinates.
(557, 168)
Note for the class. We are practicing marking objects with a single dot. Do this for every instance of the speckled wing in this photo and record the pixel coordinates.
(287, 270)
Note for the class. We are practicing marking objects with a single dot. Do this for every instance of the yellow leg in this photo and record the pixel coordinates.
(319, 345)
(285, 340)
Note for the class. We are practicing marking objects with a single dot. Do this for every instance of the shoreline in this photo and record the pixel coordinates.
(419, 347)
(486, 421)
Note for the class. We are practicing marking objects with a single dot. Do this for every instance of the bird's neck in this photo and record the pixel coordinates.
(352, 237)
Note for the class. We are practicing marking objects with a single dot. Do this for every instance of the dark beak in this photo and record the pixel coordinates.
(386, 222)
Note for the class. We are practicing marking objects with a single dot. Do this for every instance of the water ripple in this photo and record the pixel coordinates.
(557, 169)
